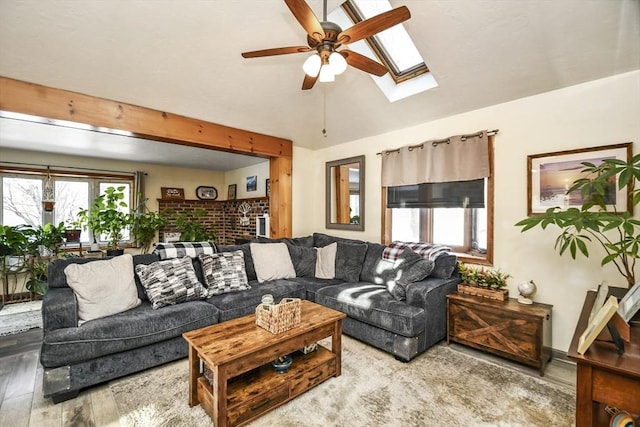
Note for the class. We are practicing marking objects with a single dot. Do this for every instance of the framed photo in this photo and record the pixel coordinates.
(252, 183)
(206, 193)
(597, 324)
(267, 187)
(550, 175)
(231, 192)
(630, 303)
(170, 193)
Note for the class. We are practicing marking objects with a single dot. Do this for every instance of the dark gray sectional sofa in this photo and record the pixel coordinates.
(75, 357)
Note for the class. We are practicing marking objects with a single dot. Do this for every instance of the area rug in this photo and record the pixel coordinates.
(20, 317)
(440, 387)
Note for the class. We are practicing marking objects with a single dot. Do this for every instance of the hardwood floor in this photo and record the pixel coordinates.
(22, 403)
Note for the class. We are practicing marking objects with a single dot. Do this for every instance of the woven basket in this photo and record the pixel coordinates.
(281, 317)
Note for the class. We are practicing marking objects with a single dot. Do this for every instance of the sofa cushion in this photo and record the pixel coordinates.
(224, 272)
(171, 281)
(371, 259)
(326, 261)
(131, 329)
(237, 304)
(248, 260)
(305, 242)
(373, 304)
(182, 249)
(311, 285)
(304, 260)
(396, 275)
(272, 261)
(321, 240)
(104, 287)
(349, 259)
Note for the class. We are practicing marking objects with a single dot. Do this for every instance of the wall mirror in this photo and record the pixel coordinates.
(345, 194)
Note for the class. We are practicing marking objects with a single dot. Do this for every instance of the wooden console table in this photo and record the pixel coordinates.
(603, 376)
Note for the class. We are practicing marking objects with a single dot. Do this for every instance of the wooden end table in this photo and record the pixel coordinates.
(604, 377)
(239, 353)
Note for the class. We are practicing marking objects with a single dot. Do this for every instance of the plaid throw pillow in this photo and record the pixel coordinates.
(182, 249)
(224, 272)
(426, 250)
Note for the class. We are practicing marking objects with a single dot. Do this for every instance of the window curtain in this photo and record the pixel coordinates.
(457, 158)
(138, 182)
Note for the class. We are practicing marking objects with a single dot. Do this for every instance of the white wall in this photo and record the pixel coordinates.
(239, 177)
(596, 113)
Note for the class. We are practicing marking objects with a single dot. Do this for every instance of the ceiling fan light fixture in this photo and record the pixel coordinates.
(326, 74)
(312, 65)
(337, 63)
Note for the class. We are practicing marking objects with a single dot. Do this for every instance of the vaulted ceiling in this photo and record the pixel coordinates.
(184, 57)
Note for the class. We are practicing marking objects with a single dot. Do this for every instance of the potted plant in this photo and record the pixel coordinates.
(145, 225)
(48, 239)
(483, 282)
(15, 246)
(191, 225)
(73, 230)
(37, 281)
(106, 217)
(595, 222)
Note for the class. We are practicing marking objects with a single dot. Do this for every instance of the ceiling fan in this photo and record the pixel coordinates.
(326, 37)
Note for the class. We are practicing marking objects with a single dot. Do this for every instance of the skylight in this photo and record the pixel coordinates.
(394, 46)
(408, 73)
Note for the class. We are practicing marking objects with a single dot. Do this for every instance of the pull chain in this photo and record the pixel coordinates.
(324, 111)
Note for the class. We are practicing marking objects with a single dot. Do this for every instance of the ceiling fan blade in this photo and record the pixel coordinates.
(308, 82)
(306, 18)
(374, 25)
(363, 63)
(276, 51)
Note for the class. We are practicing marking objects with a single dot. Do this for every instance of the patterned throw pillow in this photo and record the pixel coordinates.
(224, 272)
(170, 282)
(182, 249)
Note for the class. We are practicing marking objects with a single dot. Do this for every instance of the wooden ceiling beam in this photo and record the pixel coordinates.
(41, 101)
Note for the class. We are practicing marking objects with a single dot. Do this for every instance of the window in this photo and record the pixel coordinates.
(455, 214)
(393, 47)
(22, 196)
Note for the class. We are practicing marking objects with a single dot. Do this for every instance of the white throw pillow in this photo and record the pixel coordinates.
(272, 261)
(103, 287)
(326, 261)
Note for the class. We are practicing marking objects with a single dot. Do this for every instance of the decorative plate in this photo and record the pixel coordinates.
(206, 193)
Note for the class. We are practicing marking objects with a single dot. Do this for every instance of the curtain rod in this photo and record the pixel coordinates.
(437, 142)
(66, 167)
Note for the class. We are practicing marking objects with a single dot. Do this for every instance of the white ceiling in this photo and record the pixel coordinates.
(184, 57)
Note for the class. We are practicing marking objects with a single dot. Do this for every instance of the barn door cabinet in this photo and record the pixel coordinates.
(508, 329)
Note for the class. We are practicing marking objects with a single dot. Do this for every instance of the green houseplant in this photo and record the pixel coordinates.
(596, 222)
(191, 225)
(145, 224)
(483, 282)
(107, 217)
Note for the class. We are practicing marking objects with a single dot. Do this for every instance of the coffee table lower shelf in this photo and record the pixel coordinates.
(263, 389)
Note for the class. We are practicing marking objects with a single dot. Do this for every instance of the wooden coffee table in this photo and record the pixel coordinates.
(239, 354)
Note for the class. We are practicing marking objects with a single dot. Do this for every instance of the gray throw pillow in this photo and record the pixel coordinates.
(224, 272)
(409, 267)
(170, 282)
(349, 259)
(303, 259)
(445, 265)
